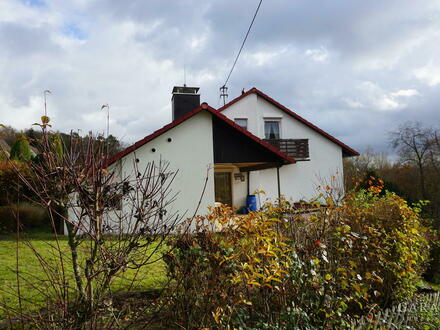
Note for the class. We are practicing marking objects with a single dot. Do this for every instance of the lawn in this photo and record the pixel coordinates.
(31, 271)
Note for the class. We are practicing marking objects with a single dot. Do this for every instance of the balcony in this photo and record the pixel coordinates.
(295, 148)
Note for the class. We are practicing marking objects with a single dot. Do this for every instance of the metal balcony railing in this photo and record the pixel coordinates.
(295, 148)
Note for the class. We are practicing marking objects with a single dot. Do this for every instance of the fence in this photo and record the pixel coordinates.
(420, 313)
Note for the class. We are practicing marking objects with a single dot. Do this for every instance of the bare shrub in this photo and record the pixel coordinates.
(118, 226)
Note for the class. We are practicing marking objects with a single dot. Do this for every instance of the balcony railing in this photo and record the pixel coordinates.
(295, 148)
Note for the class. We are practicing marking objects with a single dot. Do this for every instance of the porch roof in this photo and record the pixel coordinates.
(234, 145)
(247, 167)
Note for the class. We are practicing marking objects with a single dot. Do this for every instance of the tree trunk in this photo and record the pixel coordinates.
(75, 263)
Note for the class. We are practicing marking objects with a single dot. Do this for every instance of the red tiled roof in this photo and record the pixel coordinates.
(202, 107)
(345, 148)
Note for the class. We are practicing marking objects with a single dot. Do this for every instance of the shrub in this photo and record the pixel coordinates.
(396, 249)
(21, 150)
(369, 251)
(10, 185)
(280, 268)
(30, 216)
(231, 275)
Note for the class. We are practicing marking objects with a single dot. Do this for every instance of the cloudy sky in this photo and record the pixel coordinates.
(357, 69)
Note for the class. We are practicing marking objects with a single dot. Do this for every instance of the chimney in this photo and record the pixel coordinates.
(184, 100)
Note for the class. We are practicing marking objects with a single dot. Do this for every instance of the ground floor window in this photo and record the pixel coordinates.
(223, 187)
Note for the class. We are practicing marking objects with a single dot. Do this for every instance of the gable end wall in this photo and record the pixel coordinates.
(298, 181)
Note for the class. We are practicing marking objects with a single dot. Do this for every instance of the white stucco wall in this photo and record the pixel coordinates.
(298, 181)
(191, 154)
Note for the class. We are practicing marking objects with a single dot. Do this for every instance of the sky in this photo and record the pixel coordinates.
(357, 69)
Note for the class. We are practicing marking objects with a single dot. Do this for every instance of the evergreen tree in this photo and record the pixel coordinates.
(21, 150)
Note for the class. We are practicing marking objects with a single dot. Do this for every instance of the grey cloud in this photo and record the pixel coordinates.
(19, 40)
(312, 56)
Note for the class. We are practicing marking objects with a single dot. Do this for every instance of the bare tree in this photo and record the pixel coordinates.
(434, 154)
(414, 144)
(113, 224)
(355, 168)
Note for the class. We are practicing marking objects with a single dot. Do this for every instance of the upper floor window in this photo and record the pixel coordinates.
(242, 122)
(272, 129)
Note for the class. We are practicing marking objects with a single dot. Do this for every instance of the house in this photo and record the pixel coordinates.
(251, 143)
(318, 154)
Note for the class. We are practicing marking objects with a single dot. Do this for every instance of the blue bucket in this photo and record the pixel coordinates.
(251, 203)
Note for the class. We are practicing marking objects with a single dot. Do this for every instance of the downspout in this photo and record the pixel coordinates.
(248, 184)
(278, 182)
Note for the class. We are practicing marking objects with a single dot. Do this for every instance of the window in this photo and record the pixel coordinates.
(272, 129)
(242, 122)
(223, 187)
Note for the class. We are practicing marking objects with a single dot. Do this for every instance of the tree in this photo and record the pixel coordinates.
(414, 144)
(357, 168)
(113, 144)
(8, 134)
(114, 223)
(434, 155)
(21, 150)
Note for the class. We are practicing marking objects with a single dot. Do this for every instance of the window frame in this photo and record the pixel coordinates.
(242, 118)
(276, 120)
(230, 184)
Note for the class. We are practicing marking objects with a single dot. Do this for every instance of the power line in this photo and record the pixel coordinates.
(242, 45)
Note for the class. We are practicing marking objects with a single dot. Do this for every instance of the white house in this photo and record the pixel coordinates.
(251, 143)
(318, 154)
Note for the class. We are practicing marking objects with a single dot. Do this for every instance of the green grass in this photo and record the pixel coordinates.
(34, 277)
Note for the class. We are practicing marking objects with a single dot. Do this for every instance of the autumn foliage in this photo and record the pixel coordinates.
(282, 268)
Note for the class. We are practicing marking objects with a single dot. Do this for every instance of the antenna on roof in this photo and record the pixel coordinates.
(224, 93)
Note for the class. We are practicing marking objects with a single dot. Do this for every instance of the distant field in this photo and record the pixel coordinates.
(32, 272)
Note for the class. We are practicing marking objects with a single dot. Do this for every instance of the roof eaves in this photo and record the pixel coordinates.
(203, 106)
(152, 136)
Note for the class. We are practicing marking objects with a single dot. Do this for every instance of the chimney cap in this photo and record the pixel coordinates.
(185, 90)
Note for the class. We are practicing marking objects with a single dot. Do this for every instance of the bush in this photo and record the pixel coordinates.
(30, 216)
(21, 149)
(11, 187)
(278, 268)
(432, 274)
(395, 248)
(227, 276)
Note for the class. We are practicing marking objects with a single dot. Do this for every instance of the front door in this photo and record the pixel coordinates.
(223, 188)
